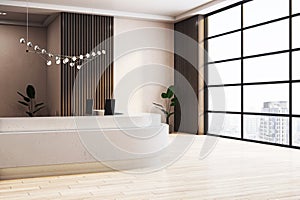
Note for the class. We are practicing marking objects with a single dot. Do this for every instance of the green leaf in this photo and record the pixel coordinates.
(174, 101)
(25, 98)
(23, 103)
(170, 92)
(29, 114)
(164, 95)
(30, 91)
(39, 104)
(37, 110)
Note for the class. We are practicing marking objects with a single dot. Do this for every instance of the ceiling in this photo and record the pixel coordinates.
(18, 16)
(161, 10)
(155, 7)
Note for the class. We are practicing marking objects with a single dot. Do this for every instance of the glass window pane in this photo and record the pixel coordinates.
(296, 98)
(225, 47)
(267, 68)
(296, 65)
(259, 11)
(224, 124)
(224, 73)
(296, 6)
(267, 129)
(296, 132)
(296, 32)
(270, 98)
(225, 21)
(225, 98)
(267, 38)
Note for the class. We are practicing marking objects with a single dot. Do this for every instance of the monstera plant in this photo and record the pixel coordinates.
(29, 101)
(170, 100)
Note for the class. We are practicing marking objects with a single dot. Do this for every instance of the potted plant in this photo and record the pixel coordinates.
(29, 101)
(170, 102)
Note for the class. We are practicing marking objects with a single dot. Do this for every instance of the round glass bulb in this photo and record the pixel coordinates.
(99, 53)
(36, 48)
(93, 54)
(81, 57)
(49, 62)
(72, 64)
(66, 60)
(29, 44)
(87, 55)
(74, 58)
(22, 41)
(103, 52)
(44, 51)
(79, 66)
(57, 62)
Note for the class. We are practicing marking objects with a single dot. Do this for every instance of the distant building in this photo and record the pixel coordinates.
(274, 129)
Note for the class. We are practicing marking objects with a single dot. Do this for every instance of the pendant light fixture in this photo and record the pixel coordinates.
(73, 60)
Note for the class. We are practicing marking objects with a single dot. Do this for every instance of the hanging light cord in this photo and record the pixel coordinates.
(27, 19)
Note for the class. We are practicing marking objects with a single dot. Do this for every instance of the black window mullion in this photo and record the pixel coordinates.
(242, 71)
(290, 77)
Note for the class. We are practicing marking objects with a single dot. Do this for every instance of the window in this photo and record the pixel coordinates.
(267, 38)
(225, 124)
(269, 98)
(253, 72)
(267, 68)
(259, 11)
(224, 47)
(217, 25)
(225, 73)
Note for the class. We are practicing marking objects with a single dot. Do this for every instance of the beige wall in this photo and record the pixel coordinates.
(54, 72)
(141, 98)
(18, 68)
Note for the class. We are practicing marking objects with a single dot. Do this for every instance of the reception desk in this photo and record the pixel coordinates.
(67, 145)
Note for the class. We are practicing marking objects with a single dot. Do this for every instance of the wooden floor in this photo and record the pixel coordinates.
(234, 170)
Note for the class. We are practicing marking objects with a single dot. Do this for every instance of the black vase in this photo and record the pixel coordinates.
(109, 107)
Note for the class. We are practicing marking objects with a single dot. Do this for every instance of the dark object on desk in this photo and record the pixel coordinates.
(89, 107)
(109, 107)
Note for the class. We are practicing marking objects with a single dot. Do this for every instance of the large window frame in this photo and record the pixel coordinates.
(242, 113)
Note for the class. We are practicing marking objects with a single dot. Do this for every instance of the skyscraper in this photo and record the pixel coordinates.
(274, 129)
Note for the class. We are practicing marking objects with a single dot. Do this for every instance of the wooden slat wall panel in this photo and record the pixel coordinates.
(82, 34)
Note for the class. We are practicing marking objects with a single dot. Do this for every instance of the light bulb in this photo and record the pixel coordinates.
(87, 55)
(57, 58)
(50, 55)
(72, 64)
(44, 51)
(29, 44)
(103, 52)
(4, 13)
(74, 58)
(36, 48)
(66, 60)
(57, 61)
(94, 54)
(22, 41)
(99, 53)
(79, 66)
(81, 57)
(49, 62)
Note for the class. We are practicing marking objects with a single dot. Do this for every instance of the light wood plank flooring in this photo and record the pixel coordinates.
(234, 170)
